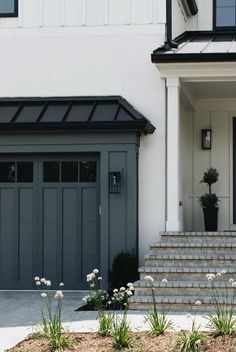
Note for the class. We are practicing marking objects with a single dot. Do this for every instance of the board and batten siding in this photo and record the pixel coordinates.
(218, 117)
(58, 13)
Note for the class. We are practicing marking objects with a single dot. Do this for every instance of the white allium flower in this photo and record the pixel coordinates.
(43, 295)
(130, 284)
(198, 303)
(37, 278)
(148, 278)
(231, 281)
(90, 277)
(164, 281)
(109, 302)
(131, 288)
(122, 289)
(218, 274)
(99, 278)
(125, 304)
(129, 293)
(223, 272)
(210, 277)
(95, 271)
(61, 284)
(38, 283)
(92, 285)
(115, 290)
(43, 280)
(48, 283)
(234, 284)
(59, 295)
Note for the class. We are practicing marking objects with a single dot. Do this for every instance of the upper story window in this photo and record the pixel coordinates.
(8, 8)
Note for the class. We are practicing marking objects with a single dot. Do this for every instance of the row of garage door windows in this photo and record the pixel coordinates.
(53, 171)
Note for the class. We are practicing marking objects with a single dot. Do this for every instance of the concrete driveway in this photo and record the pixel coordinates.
(20, 312)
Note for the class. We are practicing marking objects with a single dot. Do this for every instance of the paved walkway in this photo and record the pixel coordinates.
(20, 311)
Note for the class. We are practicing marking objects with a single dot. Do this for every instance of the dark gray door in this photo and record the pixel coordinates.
(49, 220)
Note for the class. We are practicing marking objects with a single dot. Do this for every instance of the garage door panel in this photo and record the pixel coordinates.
(89, 229)
(8, 235)
(52, 246)
(71, 236)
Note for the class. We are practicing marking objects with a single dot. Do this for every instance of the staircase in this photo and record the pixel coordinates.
(184, 259)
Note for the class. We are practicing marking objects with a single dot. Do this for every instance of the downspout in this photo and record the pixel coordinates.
(169, 43)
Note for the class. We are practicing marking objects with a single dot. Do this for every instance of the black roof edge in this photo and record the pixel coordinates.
(61, 99)
(193, 8)
(143, 126)
(209, 57)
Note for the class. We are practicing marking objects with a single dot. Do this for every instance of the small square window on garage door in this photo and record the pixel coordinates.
(69, 171)
(20, 172)
(8, 8)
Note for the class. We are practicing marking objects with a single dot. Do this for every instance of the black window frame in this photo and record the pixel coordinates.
(11, 14)
(222, 28)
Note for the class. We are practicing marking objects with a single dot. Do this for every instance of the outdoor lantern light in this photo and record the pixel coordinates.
(114, 181)
(206, 139)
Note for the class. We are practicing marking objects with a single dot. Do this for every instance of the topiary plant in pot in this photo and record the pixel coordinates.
(209, 201)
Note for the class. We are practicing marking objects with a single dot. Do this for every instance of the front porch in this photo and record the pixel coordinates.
(199, 69)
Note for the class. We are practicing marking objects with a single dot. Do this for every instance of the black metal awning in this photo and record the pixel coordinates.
(198, 46)
(72, 113)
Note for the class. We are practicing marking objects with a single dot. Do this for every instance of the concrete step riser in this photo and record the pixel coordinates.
(191, 239)
(180, 291)
(174, 307)
(193, 250)
(209, 263)
(182, 276)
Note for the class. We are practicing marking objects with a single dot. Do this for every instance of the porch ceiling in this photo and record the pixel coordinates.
(212, 90)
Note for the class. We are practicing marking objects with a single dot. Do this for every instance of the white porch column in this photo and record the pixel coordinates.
(173, 222)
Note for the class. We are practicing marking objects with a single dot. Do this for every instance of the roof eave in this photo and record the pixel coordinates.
(142, 126)
(207, 57)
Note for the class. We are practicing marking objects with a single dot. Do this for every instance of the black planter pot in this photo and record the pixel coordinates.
(211, 218)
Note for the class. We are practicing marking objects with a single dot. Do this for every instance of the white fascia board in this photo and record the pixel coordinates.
(198, 69)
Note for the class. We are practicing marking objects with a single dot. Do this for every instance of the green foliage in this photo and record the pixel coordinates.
(210, 176)
(159, 323)
(51, 326)
(105, 324)
(209, 200)
(222, 321)
(95, 296)
(124, 269)
(121, 333)
(191, 341)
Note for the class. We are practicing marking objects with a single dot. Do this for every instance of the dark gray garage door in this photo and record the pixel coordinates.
(49, 219)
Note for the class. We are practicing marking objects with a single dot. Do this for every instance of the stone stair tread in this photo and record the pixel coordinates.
(193, 245)
(180, 284)
(174, 299)
(182, 269)
(190, 256)
(200, 234)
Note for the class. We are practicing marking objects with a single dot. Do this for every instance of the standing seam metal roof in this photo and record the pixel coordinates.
(74, 113)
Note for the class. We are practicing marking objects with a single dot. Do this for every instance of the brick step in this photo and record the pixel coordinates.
(192, 248)
(199, 260)
(173, 303)
(198, 237)
(184, 273)
(182, 288)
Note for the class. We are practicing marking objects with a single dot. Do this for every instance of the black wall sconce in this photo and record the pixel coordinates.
(206, 138)
(115, 182)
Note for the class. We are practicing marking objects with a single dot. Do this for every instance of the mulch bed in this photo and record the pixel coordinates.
(142, 342)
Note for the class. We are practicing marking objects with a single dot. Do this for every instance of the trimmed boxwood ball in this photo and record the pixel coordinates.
(124, 270)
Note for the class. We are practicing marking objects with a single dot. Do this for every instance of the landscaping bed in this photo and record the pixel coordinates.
(141, 342)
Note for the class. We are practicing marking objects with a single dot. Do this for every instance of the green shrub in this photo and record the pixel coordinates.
(124, 269)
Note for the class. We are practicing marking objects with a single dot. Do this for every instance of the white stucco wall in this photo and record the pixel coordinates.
(216, 114)
(53, 50)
